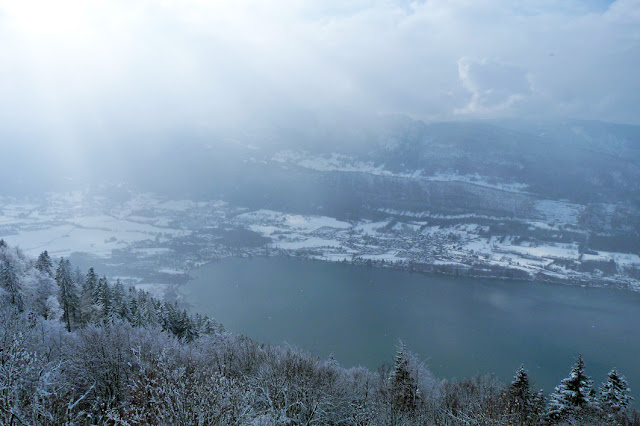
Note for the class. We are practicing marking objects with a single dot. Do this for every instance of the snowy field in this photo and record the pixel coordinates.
(163, 239)
(559, 211)
(142, 228)
(54, 230)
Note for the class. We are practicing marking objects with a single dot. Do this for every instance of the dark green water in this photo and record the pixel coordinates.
(458, 326)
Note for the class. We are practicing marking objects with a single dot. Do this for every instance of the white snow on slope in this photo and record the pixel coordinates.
(564, 251)
(342, 163)
(109, 223)
(277, 220)
(559, 211)
(311, 242)
(66, 239)
(621, 259)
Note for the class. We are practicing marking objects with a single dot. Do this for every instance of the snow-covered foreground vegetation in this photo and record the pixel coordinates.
(76, 350)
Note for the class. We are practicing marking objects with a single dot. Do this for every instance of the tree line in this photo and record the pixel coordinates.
(76, 349)
(58, 291)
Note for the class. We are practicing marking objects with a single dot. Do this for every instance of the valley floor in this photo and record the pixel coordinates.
(154, 242)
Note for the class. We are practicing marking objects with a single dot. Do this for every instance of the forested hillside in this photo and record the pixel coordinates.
(75, 349)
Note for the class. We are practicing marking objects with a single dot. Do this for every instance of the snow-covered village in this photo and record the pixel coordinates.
(158, 240)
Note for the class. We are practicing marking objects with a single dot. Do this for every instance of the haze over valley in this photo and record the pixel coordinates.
(276, 193)
(486, 199)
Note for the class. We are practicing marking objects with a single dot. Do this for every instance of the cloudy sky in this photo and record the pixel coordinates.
(106, 64)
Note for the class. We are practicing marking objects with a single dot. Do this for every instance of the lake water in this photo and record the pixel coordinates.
(459, 326)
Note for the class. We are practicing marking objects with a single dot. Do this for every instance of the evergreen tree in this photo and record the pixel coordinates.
(45, 288)
(44, 263)
(614, 393)
(135, 313)
(178, 322)
(403, 383)
(88, 297)
(187, 327)
(519, 396)
(90, 285)
(104, 298)
(10, 282)
(538, 405)
(158, 313)
(146, 309)
(574, 397)
(78, 278)
(68, 294)
(205, 325)
(119, 303)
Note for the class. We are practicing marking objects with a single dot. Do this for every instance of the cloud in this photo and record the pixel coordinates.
(115, 65)
(494, 86)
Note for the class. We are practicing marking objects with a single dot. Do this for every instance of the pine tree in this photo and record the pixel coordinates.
(104, 298)
(519, 394)
(44, 289)
(187, 325)
(158, 313)
(78, 278)
(205, 325)
(574, 396)
(146, 309)
(68, 294)
(44, 263)
(614, 393)
(90, 285)
(88, 297)
(10, 282)
(538, 405)
(403, 384)
(120, 306)
(135, 313)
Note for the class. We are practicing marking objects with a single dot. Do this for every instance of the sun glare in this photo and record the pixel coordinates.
(42, 18)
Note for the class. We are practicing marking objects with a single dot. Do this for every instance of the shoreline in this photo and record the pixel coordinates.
(441, 270)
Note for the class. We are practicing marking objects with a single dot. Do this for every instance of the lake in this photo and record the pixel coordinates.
(458, 326)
